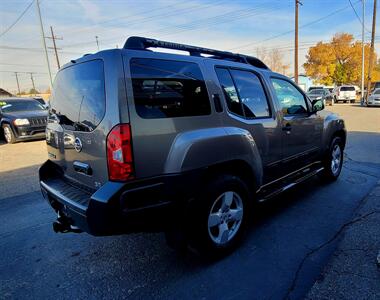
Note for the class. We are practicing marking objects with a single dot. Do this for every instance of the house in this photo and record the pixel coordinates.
(304, 82)
(4, 93)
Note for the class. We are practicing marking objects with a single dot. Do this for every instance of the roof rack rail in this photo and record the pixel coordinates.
(142, 43)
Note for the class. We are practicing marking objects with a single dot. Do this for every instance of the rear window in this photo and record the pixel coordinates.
(78, 97)
(168, 89)
(347, 88)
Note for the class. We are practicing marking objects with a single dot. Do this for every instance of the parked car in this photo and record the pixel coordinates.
(319, 87)
(22, 119)
(374, 98)
(375, 85)
(321, 94)
(41, 101)
(141, 140)
(345, 93)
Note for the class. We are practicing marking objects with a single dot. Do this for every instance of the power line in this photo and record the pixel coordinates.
(291, 31)
(357, 16)
(144, 20)
(18, 19)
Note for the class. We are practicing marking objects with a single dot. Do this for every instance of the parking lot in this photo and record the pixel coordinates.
(270, 264)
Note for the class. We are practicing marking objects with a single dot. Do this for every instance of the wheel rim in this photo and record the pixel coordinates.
(7, 134)
(336, 159)
(225, 217)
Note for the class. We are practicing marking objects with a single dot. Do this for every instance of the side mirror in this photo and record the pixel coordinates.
(317, 105)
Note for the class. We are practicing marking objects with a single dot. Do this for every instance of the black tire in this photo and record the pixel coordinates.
(332, 170)
(8, 134)
(200, 235)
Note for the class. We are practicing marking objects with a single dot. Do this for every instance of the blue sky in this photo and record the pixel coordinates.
(243, 26)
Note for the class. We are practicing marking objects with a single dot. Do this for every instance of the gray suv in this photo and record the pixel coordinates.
(186, 144)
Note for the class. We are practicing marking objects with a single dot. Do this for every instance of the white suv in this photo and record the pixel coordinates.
(345, 93)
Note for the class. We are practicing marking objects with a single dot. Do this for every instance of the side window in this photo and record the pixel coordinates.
(251, 94)
(229, 90)
(244, 93)
(291, 100)
(168, 89)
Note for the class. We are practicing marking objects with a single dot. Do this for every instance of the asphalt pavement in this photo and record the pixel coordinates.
(290, 241)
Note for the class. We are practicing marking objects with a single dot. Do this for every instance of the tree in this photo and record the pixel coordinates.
(339, 61)
(33, 91)
(273, 58)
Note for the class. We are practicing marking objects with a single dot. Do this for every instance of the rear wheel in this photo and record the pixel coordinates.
(333, 161)
(8, 134)
(217, 220)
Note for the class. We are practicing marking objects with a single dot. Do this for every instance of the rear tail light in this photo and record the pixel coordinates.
(338, 93)
(119, 153)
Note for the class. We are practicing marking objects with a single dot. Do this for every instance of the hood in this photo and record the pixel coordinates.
(26, 114)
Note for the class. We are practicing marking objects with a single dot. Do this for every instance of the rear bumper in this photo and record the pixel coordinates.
(143, 205)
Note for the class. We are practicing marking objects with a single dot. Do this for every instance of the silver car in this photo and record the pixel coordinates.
(374, 98)
(141, 140)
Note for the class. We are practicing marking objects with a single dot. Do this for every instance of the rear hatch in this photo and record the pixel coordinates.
(76, 142)
(347, 92)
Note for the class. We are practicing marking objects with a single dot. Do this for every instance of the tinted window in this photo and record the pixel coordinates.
(229, 91)
(251, 94)
(377, 92)
(317, 92)
(347, 88)
(22, 105)
(78, 97)
(168, 89)
(289, 97)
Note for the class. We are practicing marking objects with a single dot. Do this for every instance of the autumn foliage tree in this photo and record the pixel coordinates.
(339, 61)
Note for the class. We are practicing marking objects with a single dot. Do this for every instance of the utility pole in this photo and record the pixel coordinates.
(363, 16)
(18, 84)
(54, 38)
(370, 63)
(32, 79)
(97, 42)
(297, 2)
(44, 43)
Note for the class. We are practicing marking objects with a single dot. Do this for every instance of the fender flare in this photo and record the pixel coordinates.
(202, 148)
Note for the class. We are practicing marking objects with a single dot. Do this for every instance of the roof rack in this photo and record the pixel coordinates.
(142, 43)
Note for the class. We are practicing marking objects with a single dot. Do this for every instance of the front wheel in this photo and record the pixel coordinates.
(8, 134)
(333, 161)
(217, 220)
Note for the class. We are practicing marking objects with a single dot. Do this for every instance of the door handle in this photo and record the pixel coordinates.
(287, 128)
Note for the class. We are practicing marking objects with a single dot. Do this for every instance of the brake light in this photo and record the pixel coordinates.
(338, 93)
(119, 153)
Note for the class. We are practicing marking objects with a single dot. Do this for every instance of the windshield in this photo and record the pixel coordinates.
(22, 105)
(316, 92)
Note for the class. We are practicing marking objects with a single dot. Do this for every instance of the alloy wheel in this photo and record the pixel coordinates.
(225, 217)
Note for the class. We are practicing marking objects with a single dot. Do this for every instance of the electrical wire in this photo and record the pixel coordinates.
(18, 19)
(290, 31)
(357, 16)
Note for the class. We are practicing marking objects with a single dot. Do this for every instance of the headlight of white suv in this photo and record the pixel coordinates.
(20, 122)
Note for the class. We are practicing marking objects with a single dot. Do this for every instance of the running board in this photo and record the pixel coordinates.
(290, 185)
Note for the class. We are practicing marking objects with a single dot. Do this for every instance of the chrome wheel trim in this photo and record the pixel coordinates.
(336, 159)
(225, 217)
(7, 134)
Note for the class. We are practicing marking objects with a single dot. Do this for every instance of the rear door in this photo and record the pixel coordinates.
(78, 105)
(348, 92)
